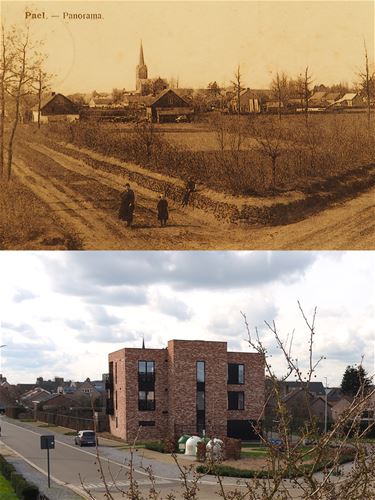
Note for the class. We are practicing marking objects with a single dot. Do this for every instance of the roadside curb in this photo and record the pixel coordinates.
(14, 453)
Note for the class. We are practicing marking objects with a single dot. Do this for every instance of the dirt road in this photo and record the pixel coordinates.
(85, 199)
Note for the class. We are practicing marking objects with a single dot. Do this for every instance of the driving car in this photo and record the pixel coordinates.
(86, 438)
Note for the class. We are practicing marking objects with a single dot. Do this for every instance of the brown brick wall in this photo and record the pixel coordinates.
(183, 382)
(253, 386)
(175, 389)
(134, 416)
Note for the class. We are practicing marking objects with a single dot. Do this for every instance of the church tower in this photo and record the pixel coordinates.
(141, 72)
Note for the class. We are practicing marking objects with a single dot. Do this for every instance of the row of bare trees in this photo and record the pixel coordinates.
(21, 74)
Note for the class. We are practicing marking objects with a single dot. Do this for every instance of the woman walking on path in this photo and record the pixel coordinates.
(127, 205)
(162, 207)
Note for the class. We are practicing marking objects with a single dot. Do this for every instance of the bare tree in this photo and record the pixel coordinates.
(367, 85)
(288, 465)
(22, 75)
(280, 87)
(269, 138)
(41, 84)
(5, 67)
(237, 83)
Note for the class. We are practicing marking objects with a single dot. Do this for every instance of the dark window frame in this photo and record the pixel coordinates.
(146, 379)
(146, 406)
(235, 379)
(234, 401)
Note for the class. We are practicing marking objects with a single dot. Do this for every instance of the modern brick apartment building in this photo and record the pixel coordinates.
(188, 387)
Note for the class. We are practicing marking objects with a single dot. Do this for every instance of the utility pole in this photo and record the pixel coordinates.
(325, 407)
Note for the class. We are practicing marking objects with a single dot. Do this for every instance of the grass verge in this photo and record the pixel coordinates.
(7, 492)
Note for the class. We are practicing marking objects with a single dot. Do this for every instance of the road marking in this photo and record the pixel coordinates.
(168, 479)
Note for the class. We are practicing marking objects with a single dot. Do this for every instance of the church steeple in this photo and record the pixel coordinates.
(141, 73)
(141, 57)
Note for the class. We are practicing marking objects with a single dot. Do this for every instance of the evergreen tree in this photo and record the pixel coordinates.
(353, 379)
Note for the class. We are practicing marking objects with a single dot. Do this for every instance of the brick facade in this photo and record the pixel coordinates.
(175, 389)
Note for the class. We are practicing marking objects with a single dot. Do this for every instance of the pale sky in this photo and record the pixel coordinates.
(200, 42)
(63, 312)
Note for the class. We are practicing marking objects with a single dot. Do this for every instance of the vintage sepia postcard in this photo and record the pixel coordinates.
(187, 125)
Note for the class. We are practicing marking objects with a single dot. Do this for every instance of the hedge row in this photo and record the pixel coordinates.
(226, 470)
(24, 490)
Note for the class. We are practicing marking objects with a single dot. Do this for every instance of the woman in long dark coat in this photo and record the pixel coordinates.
(127, 205)
(162, 207)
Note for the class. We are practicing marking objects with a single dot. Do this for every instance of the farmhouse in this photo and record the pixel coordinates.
(167, 107)
(249, 102)
(101, 102)
(350, 100)
(56, 107)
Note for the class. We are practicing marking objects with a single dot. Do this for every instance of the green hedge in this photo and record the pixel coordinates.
(226, 470)
(5, 468)
(155, 446)
(24, 490)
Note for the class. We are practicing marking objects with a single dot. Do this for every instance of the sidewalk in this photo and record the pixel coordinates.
(55, 492)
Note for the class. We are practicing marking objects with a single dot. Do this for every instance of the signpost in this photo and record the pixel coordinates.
(47, 443)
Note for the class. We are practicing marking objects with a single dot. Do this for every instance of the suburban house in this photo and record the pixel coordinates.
(302, 404)
(56, 107)
(315, 388)
(167, 107)
(189, 387)
(32, 398)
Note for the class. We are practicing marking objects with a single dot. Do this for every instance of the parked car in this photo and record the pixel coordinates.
(86, 438)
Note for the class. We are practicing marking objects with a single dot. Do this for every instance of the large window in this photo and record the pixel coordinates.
(146, 375)
(146, 385)
(236, 373)
(200, 400)
(236, 400)
(146, 400)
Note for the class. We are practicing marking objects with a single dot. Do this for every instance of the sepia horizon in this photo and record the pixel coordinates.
(88, 52)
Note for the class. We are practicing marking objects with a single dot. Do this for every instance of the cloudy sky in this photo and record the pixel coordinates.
(199, 42)
(63, 312)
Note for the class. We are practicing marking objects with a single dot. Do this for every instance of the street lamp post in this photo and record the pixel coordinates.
(325, 407)
(4, 345)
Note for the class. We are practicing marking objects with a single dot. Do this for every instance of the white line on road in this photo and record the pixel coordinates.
(143, 473)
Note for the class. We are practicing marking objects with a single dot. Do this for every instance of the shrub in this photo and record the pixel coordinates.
(24, 490)
(6, 468)
(155, 446)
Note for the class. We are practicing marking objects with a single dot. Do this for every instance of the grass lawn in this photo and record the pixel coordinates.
(255, 453)
(7, 492)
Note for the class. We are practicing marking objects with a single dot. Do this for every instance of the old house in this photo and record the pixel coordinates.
(249, 102)
(56, 107)
(167, 107)
(350, 100)
(101, 102)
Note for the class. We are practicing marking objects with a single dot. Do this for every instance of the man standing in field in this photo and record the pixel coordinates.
(162, 208)
(127, 205)
(189, 189)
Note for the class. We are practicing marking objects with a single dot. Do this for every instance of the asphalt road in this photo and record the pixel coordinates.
(69, 464)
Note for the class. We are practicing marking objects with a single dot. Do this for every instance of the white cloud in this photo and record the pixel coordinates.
(62, 313)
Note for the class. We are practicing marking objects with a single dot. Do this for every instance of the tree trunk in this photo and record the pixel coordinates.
(39, 98)
(2, 94)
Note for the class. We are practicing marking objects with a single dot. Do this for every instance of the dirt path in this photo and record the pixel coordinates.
(86, 201)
